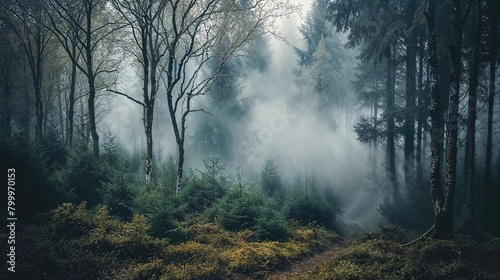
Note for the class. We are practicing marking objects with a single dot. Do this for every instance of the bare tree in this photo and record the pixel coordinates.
(82, 27)
(197, 32)
(27, 21)
(145, 21)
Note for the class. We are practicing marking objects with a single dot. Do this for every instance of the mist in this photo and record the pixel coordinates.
(282, 122)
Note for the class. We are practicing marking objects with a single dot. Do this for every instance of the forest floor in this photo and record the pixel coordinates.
(310, 263)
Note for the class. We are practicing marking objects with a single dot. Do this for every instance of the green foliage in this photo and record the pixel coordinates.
(271, 180)
(310, 208)
(35, 187)
(271, 225)
(109, 148)
(85, 176)
(200, 193)
(237, 211)
(162, 211)
(118, 194)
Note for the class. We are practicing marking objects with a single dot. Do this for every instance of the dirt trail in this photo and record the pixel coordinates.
(310, 262)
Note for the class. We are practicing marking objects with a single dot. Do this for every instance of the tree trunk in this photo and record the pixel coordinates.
(92, 121)
(491, 220)
(91, 80)
(391, 149)
(71, 101)
(469, 225)
(440, 223)
(149, 144)
(7, 103)
(443, 32)
(180, 164)
(452, 133)
(37, 86)
(409, 124)
(422, 118)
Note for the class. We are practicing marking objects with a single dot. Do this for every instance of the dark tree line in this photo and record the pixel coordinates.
(432, 92)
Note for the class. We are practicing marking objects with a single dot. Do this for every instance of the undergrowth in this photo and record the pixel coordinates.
(381, 258)
(73, 242)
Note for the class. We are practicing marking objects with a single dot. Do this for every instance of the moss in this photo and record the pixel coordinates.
(382, 259)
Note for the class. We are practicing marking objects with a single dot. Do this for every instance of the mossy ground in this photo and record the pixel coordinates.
(379, 258)
(75, 243)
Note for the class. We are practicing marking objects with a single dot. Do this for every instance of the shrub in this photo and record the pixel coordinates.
(153, 269)
(193, 260)
(85, 176)
(70, 221)
(200, 194)
(271, 226)
(310, 209)
(237, 211)
(126, 239)
(258, 258)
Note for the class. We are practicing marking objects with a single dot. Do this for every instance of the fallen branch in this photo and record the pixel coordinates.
(426, 235)
(492, 240)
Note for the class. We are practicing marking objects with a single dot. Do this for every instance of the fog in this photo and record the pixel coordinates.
(282, 123)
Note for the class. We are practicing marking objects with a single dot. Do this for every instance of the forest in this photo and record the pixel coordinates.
(250, 139)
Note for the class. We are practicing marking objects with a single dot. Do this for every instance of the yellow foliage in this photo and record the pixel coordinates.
(71, 221)
(145, 271)
(193, 260)
(259, 257)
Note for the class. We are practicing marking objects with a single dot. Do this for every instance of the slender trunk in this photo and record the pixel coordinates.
(469, 225)
(391, 149)
(491, 220)
(92, 120)
(409, 124)
(436, 133)
(180, 165)
(7, 103)
(61, 117)
(39, 112)
(421, 111)
(71, 107)
(452, 133)
(37, 86)
(443, 31)
(91, 79)
(149, 144)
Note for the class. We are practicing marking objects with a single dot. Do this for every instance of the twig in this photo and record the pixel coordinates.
(127, 96)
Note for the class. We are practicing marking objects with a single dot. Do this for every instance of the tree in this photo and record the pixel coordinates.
(271, 180)
(323, 59)
(86, 25)
(27, 20)
(144, 20)
(376, 26)
(452, 123)
(441, 229)
(490, 195)
(196, 33)
(469, 222)
(410, 88)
